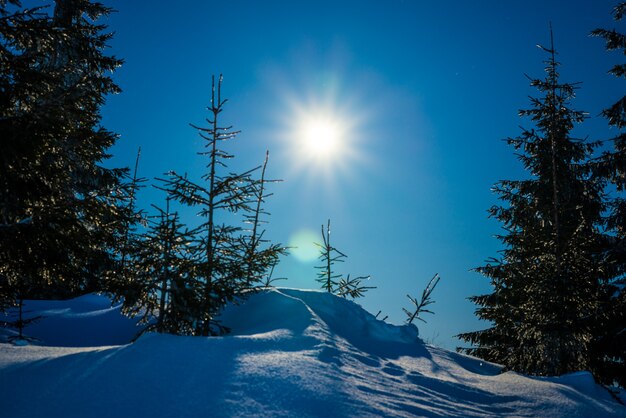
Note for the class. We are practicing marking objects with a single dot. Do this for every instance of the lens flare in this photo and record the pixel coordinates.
(303, 246)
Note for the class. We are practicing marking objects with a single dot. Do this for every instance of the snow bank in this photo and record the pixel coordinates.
(291, 353)
(87, 321)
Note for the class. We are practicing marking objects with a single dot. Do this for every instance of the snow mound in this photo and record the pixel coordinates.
(297, 310)
(291, 353)
(86, 321)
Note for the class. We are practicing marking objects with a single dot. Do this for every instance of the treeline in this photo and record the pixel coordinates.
(69, 225)
(558, 303)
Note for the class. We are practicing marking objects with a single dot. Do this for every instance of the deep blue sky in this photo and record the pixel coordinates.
(428, 88)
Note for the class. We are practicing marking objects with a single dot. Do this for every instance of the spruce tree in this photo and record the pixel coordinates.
(59, 206)
(329, 255)
(425, 300)
(129, 239)
(609, 343)
(162, 292)
(331, 281)
(547, 281)
(220, 251)
(132, 218)
(260, 255)
(20, 318)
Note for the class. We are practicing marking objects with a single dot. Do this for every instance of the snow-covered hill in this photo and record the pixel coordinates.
(291, 353)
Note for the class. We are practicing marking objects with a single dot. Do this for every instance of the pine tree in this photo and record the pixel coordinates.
(352, 287)
(547, 282)
(260, 256)
(59, 207)
(131, 219)
(162, 291)
(122, 282)
(19, 323)
(220, 250)
(329, 255)
(331, 281)
(425, 300)
(609, 344)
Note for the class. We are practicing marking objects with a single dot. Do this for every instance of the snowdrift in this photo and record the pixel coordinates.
(290, 353)
(87, 321)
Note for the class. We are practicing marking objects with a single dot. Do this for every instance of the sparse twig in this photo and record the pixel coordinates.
(420, 307)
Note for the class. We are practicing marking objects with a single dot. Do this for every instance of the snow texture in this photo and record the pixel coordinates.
(291, 353)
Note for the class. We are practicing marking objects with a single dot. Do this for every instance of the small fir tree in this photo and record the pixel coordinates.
(134, 217)
(162, 292)
(333, 282)
(260, 256)
(425, 300)
(329, 255)
(352, 287)
(17, 320)
(122, 281)
(220, 251)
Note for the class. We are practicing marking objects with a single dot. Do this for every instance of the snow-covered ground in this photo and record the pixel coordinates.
(291, 353)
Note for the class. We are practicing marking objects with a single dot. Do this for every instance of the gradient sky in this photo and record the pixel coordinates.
(425, 90)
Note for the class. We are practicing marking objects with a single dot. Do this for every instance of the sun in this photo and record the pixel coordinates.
(322, 134)
(321, 137)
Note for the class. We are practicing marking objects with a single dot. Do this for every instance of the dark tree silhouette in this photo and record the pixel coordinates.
(609, 343)
(59, 205)
(227, 262)
(162, 291)
(546, 283)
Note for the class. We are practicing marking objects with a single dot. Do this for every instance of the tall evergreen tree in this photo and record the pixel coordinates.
(609, 344)
(59, 206)
(546, 283)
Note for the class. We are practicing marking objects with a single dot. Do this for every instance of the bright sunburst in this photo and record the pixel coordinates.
(322, 131)
(321, 137)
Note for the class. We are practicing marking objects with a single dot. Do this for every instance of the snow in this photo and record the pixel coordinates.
(87, 321)
(290, 353)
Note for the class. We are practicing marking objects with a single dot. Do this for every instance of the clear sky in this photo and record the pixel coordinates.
(419, 94)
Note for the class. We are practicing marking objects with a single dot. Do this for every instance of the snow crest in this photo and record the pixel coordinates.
(290, 353)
